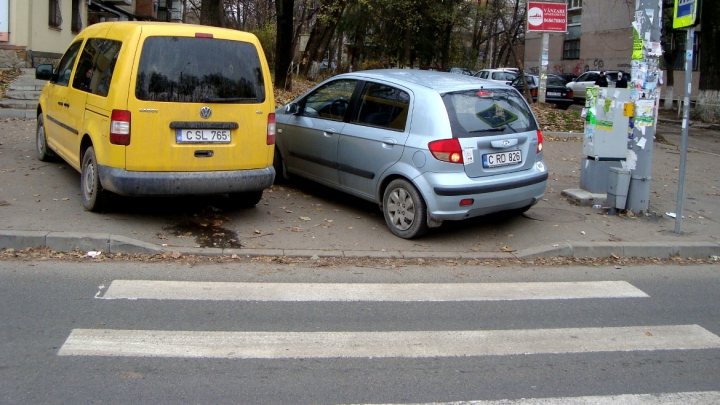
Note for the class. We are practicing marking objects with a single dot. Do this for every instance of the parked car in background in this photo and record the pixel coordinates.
(587, 79)
(425, 146)
(461, 71)
(145, 109)
(555, 91)
(568, 77)
(504, 75)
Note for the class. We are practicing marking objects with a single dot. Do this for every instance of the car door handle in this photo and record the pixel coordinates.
(329, 132)
(389, 142)
(66, 105)
(60, 103)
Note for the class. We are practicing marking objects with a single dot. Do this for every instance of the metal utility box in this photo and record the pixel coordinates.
(618, 186)
(606, 123)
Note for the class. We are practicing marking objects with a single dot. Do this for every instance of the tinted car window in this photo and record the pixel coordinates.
(383, 106)
(330, 101)
(199, 70)
(555, 81)
(96, 66)
(64, 68)
(584, 77)
(480, 112)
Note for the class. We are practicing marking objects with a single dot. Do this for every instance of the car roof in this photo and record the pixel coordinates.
(442, 82)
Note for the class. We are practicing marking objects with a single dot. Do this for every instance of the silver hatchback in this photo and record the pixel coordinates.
(426, 146)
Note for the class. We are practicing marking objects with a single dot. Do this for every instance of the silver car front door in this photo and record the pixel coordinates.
(312, 136)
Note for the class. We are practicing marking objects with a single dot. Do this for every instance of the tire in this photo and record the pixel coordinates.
(404, 210)
(281, 175)
(43, 152)
(247, 199)
(94, 196)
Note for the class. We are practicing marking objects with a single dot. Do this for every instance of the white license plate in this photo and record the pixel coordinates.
(202, 135)
(502, 159)
(553, 94)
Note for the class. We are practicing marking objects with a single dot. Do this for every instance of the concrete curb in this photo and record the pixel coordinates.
(69, 241)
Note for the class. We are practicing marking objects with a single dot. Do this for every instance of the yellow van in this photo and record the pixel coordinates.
(160, 109)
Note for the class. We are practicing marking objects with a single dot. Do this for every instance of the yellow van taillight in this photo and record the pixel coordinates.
(120, 127)
(271, 129)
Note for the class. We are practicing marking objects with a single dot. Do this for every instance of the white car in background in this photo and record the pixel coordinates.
(587, 79)
(501, 75)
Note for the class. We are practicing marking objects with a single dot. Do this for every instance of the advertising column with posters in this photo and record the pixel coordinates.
(4, 21)
(545, 18)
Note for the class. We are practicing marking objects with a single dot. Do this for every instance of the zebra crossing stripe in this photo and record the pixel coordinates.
(411, 344)
(231, 291)
(685, 398)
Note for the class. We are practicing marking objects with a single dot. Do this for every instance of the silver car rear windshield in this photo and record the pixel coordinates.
(199, 70)
(488, 112)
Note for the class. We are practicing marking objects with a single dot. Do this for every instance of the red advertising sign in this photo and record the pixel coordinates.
(547, 17)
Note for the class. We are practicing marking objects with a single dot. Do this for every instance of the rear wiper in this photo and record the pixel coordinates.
(489, 129)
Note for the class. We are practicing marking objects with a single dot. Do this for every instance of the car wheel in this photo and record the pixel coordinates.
(247, 199)
(280, 171)
(94, 196)
(41, 148)
(404, 210)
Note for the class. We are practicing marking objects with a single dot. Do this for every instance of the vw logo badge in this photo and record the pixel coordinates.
(205, 112)
(505, 142)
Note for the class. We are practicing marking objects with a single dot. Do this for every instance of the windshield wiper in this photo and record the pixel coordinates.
(489, 129)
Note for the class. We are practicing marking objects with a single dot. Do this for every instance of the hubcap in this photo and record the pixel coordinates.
(41, 140)
(401, 209)
(90, 179)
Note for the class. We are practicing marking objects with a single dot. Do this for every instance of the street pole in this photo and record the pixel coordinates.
(689, 41)
(542, 74)
(644, 88)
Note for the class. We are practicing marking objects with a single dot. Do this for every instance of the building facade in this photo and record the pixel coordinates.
(599, 37)
(38, 31)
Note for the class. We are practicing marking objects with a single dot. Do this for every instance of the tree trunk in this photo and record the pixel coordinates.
(212, 13)
(707, 107)
(322, 33)
(284, 44)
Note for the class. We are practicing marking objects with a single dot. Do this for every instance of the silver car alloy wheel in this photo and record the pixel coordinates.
(401, 209)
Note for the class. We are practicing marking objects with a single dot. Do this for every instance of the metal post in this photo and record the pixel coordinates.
(648, 15)
(542, 74)
(689, 42)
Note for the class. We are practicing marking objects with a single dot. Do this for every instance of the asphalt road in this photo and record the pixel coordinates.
(45, 305)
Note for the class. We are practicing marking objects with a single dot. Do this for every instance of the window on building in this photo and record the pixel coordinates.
(571, 49)
(55, 18)
(680, 58)
(76, 17)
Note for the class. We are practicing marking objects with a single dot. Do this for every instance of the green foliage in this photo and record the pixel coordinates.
(372, 64)
(267, 35)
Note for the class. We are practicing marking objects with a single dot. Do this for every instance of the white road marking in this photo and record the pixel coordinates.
(228, 291)
(411, 344)
(685, 398)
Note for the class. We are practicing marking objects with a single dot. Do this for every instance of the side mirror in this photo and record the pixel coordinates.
(292, 108)
(44, 72)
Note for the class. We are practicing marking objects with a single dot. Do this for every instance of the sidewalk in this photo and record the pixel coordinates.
(40, 206)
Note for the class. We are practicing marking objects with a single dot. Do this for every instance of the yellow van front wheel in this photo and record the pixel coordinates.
(93, 194)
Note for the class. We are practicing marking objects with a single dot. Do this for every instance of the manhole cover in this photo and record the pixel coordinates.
(554, 215)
